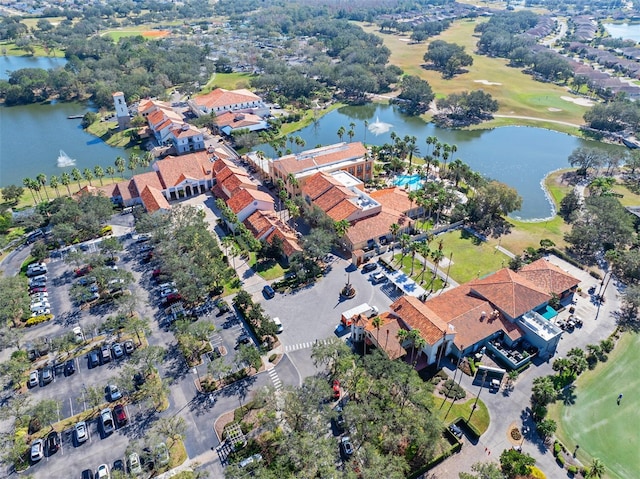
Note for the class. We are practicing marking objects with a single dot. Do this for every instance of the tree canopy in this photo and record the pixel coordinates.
(447, 58)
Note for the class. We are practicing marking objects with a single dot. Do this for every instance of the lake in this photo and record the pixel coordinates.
(519, 156)
(626, 31)
(12, 63)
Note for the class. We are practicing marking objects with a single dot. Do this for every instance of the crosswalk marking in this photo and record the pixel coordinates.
(309, 344)
(275, 378)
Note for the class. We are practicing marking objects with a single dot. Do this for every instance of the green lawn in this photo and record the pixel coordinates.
(228, 81)
(517, 94)
(269, 269)
(447, 412)
(471, 258)
(602, 428)
(422, 278)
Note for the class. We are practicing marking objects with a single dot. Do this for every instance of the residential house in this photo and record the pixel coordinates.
(266, 225)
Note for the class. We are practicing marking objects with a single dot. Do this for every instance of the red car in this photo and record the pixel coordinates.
(173, 298)
(38, 289)
(336, 389)
(120, 414)
(83, 271)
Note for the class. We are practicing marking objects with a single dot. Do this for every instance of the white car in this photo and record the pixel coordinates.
(34, 379)
(37, 450)
(166, 292)
(40, 305)
(103, 472)
(78, 334)
(135, 467)
(82, 434)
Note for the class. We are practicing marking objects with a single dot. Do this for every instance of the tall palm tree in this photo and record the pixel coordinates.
(37, 187)
(597, 468)
(120, 164)
(42, 180)
(134, 160)
(351, 133)
(99, 173)
(146, 159)
(28, 183)
(88, 175)
(341, 131)
(54, 183)
(65, 180)
(111, 171)
(405, 240)
(412, 149)
(394, 229)
(424, 251)
(376, 323)
(437, 256)
(402, 335)
(77, 176)
(414, 248)
(418, 343)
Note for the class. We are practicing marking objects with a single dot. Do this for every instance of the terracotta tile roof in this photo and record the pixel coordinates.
(190, 131)
(394, 198)
(144, 105)
(153, 200)
(237, 120)
(221, 164)
(233, 182)
(417, 315)
(318, 184)
(228, 171)
(548, 277)
(220, 98)
(332, 197)
(387, 335)
(316, 158)
(266, 225)
(342, 210)
(289, 241)
(245, 197)
(464, 310)
(117, 93)
(166, 123)
(259, 223)
(374, 226)
(150, 178)
(174, 169)
(513, 294)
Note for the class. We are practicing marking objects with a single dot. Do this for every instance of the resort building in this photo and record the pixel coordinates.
(353, 158)
(220, 100)
(229, 122)
(506, 312)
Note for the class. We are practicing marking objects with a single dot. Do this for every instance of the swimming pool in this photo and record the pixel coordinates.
(412, 182)
(547, 312)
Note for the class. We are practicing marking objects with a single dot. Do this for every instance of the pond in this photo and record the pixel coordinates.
(626, 31)
(9, 63)
(519, 156)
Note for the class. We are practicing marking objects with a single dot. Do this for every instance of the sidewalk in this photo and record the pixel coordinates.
(208, 460)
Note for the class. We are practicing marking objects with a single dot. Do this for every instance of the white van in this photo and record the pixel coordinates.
(278, 324)
(378, 278)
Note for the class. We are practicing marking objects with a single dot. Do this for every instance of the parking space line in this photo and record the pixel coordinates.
(71, 406)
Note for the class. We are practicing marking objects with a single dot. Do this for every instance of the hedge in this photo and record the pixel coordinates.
(38, 319)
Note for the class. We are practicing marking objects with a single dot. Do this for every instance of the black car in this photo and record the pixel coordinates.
(53, 442)
(87, 474)
(118, 465)
(367, 268)
(69, 367)
(244, 339)
(268, 291)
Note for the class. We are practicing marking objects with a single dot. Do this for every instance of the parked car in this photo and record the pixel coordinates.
(455, 430)
(87, 280)
(250, 460)
(120, 414)
(69, 367)
(37, 289)
(336, 389)
(103, 472)
(106, 419)
(378, 278)
(34, 379)
(36, 270)
(244, 339)
(37, 450)
(135, 467)
(53, 442)
(105, 354)
(93, 359)
(129, 347)
(117, 350)
(78, 335)
(47, 375)
(278, 324)
(39, 297)
(82, 434)
(346, 447)
(369, 267)
(268, 291)
(40, 312)
(83, 271)
(173, 298)
(87, 474)
(112, 392)
(118, 465)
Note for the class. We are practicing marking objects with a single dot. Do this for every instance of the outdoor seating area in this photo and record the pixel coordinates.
(512, 356)
(570, 324)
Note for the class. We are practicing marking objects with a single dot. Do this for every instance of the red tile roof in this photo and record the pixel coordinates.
(549, 277)
(232, 183)
(221, 98)
(513, 294)
(245, 197)
(174, 169)
(289, 241)
(316, 158)
(150, 178)
(259, 223)
(374, 226)
(386, 336)
(266, 225)
(417, 315)
(153, 200)
(237, 120)
(394, 198)
(318, 184)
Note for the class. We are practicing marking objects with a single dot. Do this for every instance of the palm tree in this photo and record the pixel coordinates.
(393, 229)
(77, 176)
(99, 173)
(111, 171)
(596, 469)
(405, 239)
(28, 183)
(412, 149)
(418, 344)
(88, 175)
(341, 227)
(402, 335)
(54, 183)
(376, 323)
(351, 133)
(341, 131)
(292, 181)
(414, 248)
(437, 256)
(120, 164)
(65, 180)
(134, 160)
(42, 181)
(146, 159)
(424, 251)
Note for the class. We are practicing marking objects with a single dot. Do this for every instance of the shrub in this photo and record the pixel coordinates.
(595, 274)
(451, 390)
(573, 469)
(273, 357)
(560, 460)
(557, 448)
(38, 319)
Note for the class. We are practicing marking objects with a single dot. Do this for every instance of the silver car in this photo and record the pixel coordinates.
(82, 434)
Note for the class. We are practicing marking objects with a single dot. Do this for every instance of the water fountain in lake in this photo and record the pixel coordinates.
(65, 160)
(379, 127)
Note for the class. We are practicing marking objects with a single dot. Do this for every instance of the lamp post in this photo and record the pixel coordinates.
(484, 376)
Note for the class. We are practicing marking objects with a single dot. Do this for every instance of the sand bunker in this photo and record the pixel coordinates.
(487, 82)
(554, 109)
(578, 101)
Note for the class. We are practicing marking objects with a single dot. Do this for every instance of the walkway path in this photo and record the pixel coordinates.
(533, 118)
